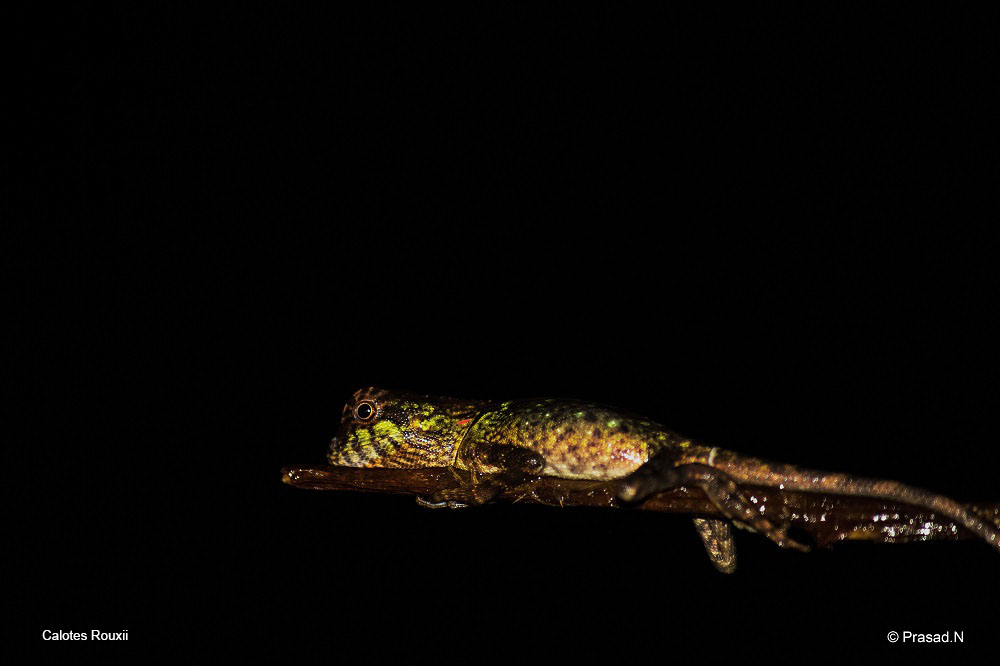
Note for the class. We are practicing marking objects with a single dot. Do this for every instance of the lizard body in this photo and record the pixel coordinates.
(576, 440)
(507, 444)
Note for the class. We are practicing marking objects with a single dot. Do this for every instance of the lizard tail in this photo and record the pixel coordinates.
(758, 472)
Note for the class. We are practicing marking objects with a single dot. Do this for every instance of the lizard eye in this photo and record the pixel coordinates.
(364, 411)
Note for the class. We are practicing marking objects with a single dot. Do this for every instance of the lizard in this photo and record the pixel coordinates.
(505, 445)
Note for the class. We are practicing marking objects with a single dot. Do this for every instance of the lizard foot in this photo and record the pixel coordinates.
(443, 504)
(470, 494)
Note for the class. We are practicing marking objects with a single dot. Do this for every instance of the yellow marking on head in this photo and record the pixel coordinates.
(385, 428)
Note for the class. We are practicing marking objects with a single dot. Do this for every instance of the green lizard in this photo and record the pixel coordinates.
(505, 445)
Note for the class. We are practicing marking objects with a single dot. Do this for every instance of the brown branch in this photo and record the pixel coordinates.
(828, 518)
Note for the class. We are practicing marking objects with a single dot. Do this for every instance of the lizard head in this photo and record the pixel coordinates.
(392, 429)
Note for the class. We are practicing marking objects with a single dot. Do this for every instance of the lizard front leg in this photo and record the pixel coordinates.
(660, 473)
(496, 468)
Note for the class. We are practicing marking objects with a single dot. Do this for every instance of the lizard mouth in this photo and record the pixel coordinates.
(342, 453)
(335, 453)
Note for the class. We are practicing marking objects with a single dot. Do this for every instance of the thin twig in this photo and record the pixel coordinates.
(827, 518)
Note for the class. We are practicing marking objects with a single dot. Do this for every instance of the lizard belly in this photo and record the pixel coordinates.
(598, 458)
(574, 469)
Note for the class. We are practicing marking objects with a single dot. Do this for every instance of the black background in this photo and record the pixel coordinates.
(765, 236)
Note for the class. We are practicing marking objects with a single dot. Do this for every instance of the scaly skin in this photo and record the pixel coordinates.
(577, 440)
(507, 444)
(406, 431)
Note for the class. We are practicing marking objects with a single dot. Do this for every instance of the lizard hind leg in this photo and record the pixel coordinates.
(718, 540)
(659, 473)
(723, 492)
